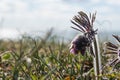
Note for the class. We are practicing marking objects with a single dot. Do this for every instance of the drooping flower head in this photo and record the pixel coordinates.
(79, 44)
(111, 48)
(84, 24)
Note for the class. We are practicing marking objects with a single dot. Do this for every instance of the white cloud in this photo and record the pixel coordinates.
(12, 7)
(95, 1)
(114, 2)
(20, 6)
(46, 9)
(102, 9)
(53, 10)
(4, 7)
(108, 22)
(47, 13)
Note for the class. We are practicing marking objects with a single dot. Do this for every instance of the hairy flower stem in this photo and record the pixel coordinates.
(97, 58)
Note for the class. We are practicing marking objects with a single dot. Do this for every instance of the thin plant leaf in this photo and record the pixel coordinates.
(82, 29)
(111, 45)
(117, 37)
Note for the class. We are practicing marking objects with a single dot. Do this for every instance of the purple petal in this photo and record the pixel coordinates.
(74, 51)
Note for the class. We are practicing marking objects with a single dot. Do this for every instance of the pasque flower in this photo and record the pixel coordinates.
(111, 48)
(79, 44)
(84, 24)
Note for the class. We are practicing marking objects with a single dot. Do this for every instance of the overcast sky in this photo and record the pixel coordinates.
(38, 15)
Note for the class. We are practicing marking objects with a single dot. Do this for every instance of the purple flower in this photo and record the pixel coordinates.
(84, 24)
(79, 44)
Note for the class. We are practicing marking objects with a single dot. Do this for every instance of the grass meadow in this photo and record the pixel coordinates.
(47, 58)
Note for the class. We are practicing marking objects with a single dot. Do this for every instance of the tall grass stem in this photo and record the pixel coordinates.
(97, 58)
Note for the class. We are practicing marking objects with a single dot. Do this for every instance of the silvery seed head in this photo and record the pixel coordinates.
(111, 48)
